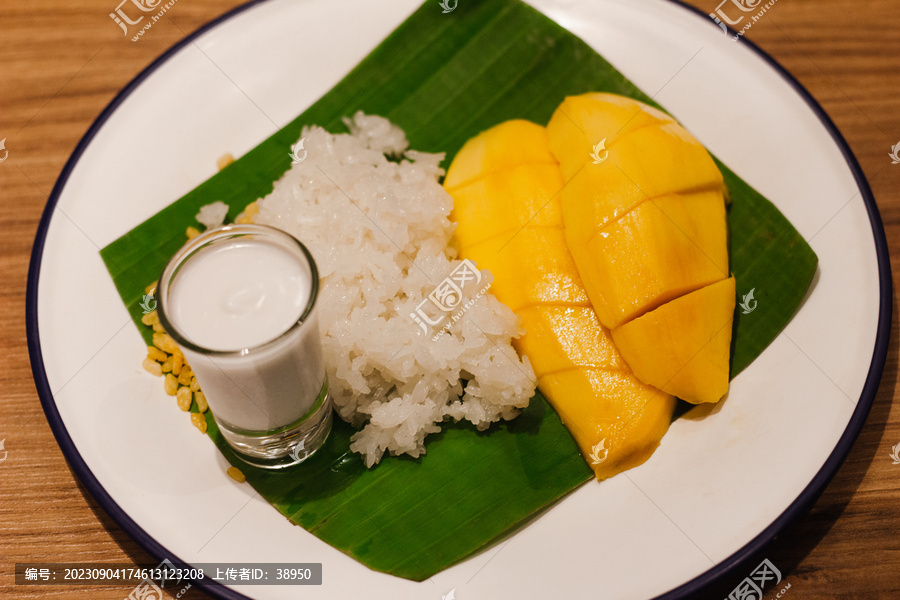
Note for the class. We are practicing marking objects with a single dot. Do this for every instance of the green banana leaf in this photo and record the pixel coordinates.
(444, 78)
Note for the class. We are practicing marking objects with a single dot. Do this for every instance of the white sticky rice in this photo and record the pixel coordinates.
(213, 215)
(380, 233)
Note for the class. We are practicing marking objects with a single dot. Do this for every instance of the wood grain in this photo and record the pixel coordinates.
(62, 63)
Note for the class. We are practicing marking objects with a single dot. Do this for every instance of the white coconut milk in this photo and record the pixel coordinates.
(244, 297)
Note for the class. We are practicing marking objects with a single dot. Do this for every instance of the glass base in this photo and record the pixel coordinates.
(286, 446)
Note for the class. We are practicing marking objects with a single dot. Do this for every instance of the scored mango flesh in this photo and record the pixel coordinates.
(505, 184)
(643, 212)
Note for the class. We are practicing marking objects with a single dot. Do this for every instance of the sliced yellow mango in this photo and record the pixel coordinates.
(684, 345)
(661, 249)
(486, 153)
(582, 122)
(521, 192)
(617, 420)
(645, 223)
(644, 164)
(561, 337)
(530, 266)
(509, 222)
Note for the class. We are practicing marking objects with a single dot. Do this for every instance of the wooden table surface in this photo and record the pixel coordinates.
(61, 62)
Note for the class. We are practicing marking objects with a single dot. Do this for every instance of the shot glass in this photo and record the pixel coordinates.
(240, 302)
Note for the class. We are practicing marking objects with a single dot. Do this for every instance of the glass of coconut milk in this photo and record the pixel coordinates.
(240, 302)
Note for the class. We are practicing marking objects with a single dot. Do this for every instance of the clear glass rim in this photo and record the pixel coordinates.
(232, 231)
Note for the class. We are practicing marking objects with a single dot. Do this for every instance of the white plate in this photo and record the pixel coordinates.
(713, 494)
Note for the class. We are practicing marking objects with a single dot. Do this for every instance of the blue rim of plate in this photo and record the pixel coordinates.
(717, 574)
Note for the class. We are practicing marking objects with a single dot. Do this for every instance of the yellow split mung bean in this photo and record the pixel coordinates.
(184, 396)
(199, 421)
(236, 474)
(171, 384)
(152, 367)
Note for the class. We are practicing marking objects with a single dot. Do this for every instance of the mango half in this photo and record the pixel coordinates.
(643, 212)
(505, 184)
